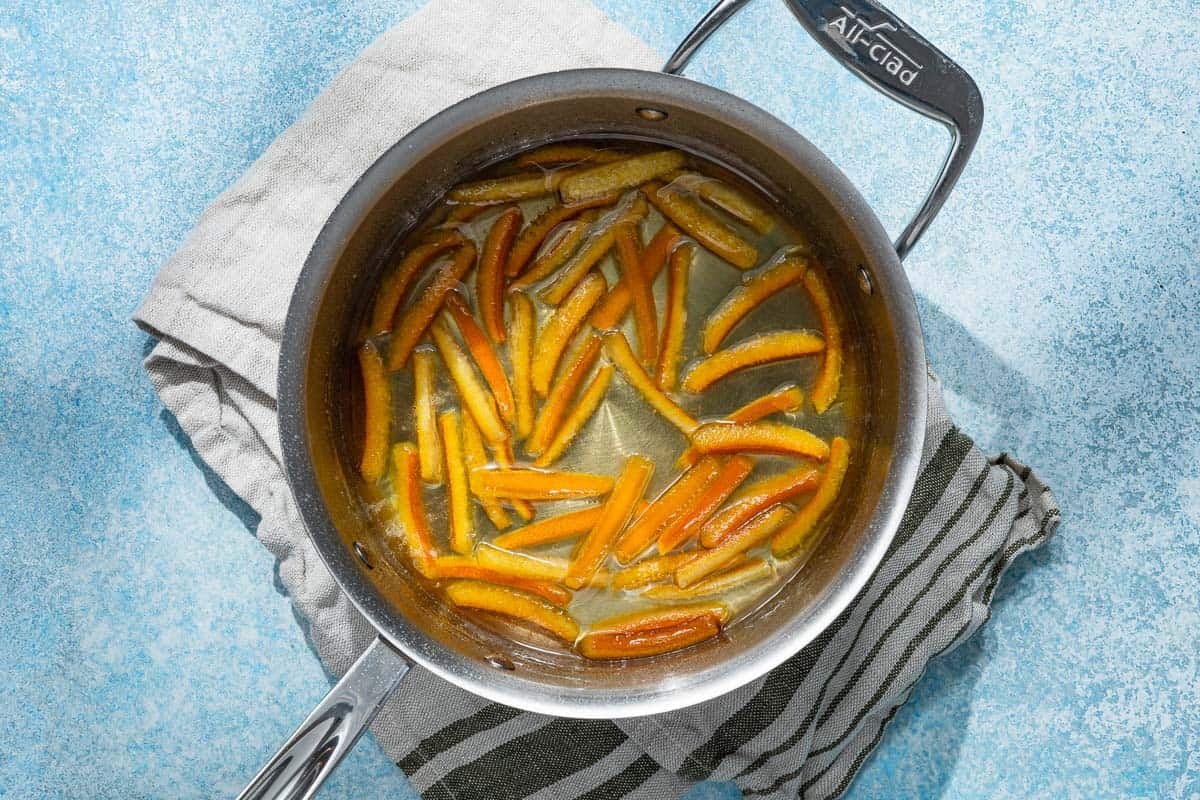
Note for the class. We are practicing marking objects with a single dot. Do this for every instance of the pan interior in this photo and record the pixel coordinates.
(318, 392)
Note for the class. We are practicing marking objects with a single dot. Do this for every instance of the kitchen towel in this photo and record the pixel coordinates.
(218, 307)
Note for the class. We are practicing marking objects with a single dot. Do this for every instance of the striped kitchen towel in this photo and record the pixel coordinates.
(218, 309)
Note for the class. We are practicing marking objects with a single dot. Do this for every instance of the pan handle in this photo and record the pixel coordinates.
(314, 750)
(880, 48)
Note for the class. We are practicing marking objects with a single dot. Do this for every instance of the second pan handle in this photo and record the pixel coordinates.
(884, 51)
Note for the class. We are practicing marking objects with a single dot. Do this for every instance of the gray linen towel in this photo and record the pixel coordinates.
(218, 309)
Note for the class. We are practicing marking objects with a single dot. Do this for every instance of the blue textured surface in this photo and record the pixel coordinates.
(144, 650)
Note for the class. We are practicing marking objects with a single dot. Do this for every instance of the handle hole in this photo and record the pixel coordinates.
(651, 114)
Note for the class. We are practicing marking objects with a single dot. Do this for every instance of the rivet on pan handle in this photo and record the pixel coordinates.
(880, 48)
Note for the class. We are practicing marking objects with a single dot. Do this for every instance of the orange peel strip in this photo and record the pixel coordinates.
(377, 409)
(747, 296)
(552, 530)
(764, 348)
(650, 642)
(713, 234)
(617, 348)
(829, 378)
(489, 276)
(755, 498)
(535, 234)
(520, 565)
(759, 437)
(429, 444)
(595, 547)
(475, 455)
(567, 153)
(751, 571)
(484, 355)
(599, 241)
(645, 316)
(797, 532)
(507, 189)
(467, 567)
(612, 309)
(502, 454)
(737, 203)
(406, 482)
(786, 398)
(582, 411)
(561, 328)
(664, 509)
(513, 603)
(549, 418)
(520, 352)
(667, 372)
(751, 533)
(420, 314)
(475, 396)
(648, 571)
(618, 175)
(558, 250)
(733, 472)
(395, 286)
(532, 484)
(458, 488)
(666, 617)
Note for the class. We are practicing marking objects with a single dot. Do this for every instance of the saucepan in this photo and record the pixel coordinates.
(390, 198)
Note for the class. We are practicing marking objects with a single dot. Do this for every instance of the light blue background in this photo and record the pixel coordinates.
(144, 648)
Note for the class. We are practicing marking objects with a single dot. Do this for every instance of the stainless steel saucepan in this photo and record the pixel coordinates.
(341, 272)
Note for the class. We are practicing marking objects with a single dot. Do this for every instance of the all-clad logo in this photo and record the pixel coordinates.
(874, 42)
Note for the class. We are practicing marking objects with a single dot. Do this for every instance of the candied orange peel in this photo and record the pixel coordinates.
(733, 472)
(750, 571)
(797, 532)
(749, 295)
(786, 398)
(620, 506)
(763, 348)
(396, 284)
(489, 275)
(533, 484)
(549, 418)
(484, 355)
(751, 533)
(674, 501)
(645, 317)
(618, 175)
(429, 444)
(759, 437)
(650, 641)
(549, 531)
(377, 424)
(756, 497)
(410, 511)
(420, 314)
(475, 396)
(560, 329)
(458, 488)
(520, 352)
(617, 348)
(513, 603)
(667, 371)
(531, 239)
(699, 223)
(578, 417)
(475, 455)
(829, 377)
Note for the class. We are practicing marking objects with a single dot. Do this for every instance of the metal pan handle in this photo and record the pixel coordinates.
(880, 48)
(310, 755)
